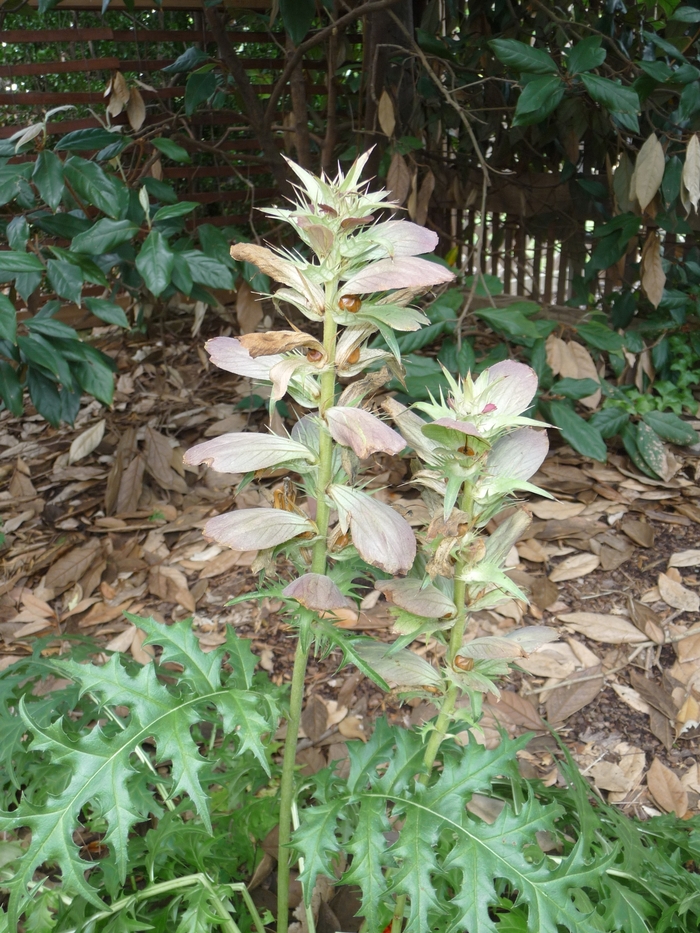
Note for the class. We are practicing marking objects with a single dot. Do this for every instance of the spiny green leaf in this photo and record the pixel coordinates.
(415, 852)
(368, 847)
(439, 839)
(317, 840)
(98, 764)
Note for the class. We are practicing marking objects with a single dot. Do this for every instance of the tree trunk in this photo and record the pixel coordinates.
(299, 112)
(383, 41)
(251, 104)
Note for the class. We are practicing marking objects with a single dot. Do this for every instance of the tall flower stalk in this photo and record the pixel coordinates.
(357, 279)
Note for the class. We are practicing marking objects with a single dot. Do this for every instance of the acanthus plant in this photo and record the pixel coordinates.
(473, 450)
(476, 450)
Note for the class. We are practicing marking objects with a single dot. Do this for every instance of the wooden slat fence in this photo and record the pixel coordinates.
(533, 240)
(229, 174)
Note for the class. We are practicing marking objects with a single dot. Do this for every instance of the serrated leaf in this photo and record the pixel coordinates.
(98, 764)
(368, 848)
(439, 838)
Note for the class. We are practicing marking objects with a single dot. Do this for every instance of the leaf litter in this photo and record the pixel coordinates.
(106, 517)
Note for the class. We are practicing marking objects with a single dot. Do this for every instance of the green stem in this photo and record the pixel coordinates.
(227, 923)
(448, 704)
(287, 782)
(325, 451)
(397, 919)
(318, 565)
(438, 733)
(456, 639)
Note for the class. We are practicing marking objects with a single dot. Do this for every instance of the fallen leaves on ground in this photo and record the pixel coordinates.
(105, 517)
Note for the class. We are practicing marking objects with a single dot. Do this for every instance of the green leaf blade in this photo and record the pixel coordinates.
(155, 262)
(103, 236)
(522, 57)
(671, 428)
(583, 436)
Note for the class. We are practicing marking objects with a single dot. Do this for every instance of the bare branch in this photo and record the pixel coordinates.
(372, 7)
(251, 102)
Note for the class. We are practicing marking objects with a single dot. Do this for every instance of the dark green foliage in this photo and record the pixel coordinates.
(105, 773)
(605, 873)
(112, 244)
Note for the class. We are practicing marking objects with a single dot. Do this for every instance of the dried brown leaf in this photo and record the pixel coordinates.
(649, 171)
(563, 702)
(136, 109)
(170, 584)
(141, 654)
(646, 620)
(609, 776)
(652, 272)
(101, 613)
(248, 309)
(572, 360)
(655, 695)
(544, 593)
(666, 788)
(21, 486)
(31, 628)
(631, 697)
(159, 457)
(661, 728)
(691, 170)
(71, 567)
(130, 487)
(579, 565)
(278, 341)
(122, 641)
(689, 558)
(385, 114)
(351, 728)
(511, 708)
(314, 719)
(119, 96)
(603, 627)
(688, 649)
(639, 532)
(688, 715)
(547, 508)
(676, 595)
(86, 442)
(425, 192)
(398, 179)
